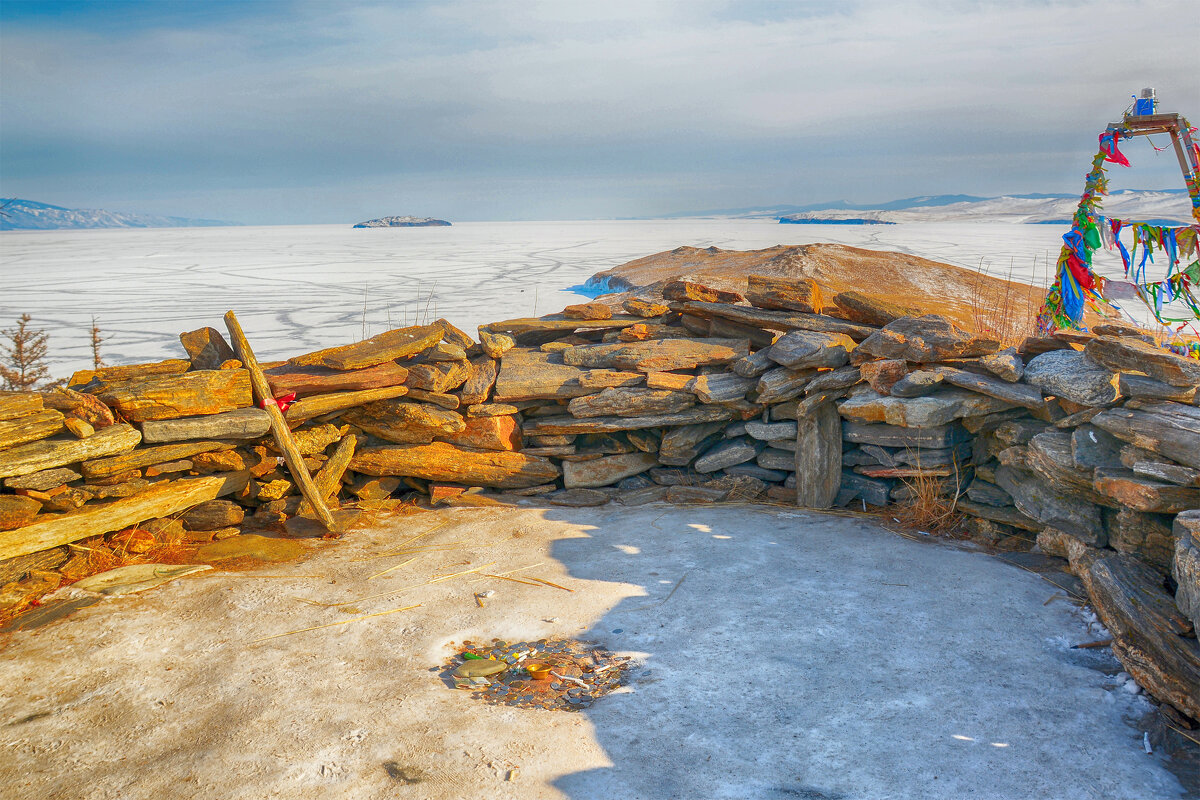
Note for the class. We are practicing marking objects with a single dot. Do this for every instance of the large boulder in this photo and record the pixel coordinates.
(1070, 375)
(924, 340)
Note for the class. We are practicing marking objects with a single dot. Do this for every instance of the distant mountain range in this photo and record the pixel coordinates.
(18, 214)
(1165, 206)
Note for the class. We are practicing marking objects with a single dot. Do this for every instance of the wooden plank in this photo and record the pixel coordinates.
(818, 457)
(388, 346)
(49, 453)
(279, 427)
(329, 479)
(320, 404)
(166, 498)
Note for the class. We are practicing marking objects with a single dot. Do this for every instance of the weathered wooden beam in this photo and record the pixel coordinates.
(317, 405)
(49, 453)
(283, 436)
(158, 501)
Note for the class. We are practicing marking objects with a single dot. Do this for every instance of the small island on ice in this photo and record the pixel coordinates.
(403, 222)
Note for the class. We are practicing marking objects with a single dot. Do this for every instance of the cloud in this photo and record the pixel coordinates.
(763, 102)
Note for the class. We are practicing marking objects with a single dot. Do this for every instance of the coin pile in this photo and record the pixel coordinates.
(580, 673)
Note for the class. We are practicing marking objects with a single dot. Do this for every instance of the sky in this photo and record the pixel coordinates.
(312, 111)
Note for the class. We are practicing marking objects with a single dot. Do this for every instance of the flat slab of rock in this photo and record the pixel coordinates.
(810, 349)
(783, 294)
(1006, 515)
(145, 456)
(728, 454)
(18, 404)
(1170, 434)
(310, 380)
(449, 464)
(566, 424)
(184, 395)
(30, 427)
(605, 471)
(1069, 375)
(1139, 386)
(1126, 354)
(535, 375)
(41, 481)
(1037, 499)
(244, 423)
(1006, 364)
(766, 431)
(775, 320)
(658, 356)
(1143, 494)
(556, 323)
(487, 433)
(388, 346)
(925, 339)
(947, 405)
(898, 436)
(1146, 625)
(405, 423)
(50, 453)
(721, 387)
(818, 458)
(630, 402)
(690, 290)
(1015, 393)
(868, 309)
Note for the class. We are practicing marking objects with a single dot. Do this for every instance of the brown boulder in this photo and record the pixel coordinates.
(783, 294)
(487, 433)
(925, 339)
(588, 311)
(883, 375)
(206, 348)
(405, 423)
(447, 463)
(868, 309)
(687, 290)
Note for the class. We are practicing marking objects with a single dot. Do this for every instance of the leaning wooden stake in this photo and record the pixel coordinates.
(283, 436)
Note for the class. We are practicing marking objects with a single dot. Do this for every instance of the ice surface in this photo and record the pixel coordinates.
(299, 288)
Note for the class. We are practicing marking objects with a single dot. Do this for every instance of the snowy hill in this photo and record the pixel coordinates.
(1167, 206)
(21, 214)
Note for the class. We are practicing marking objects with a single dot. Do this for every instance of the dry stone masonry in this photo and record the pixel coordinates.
(1088, 444)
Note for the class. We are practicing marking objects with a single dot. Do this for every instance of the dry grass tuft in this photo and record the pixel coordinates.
(933, 506)
(1000, 310)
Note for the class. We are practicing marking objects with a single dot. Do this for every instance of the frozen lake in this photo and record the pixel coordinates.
(299, 288)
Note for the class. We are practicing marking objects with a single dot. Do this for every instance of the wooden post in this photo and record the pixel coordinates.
(283, 436)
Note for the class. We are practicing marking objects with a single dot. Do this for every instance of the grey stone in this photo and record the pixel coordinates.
(1092, 447)
(766, 431)
(605, 471)
(897, 436)
(799, 349)
(1071, 376)
(989, 494)
(773, 458)
(1006, 364)
(1151, 389)
(729, 453)
(1036, 498)
(755, 471)
(680, 446)
(875, 491)
(1147, 536)
(917, 383)
(1186, 567)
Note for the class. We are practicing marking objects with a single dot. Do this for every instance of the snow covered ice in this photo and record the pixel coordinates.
(300, 288)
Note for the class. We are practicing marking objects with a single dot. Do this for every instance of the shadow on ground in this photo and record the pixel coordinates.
(787, 654)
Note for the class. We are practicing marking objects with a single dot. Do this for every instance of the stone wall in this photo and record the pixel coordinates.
(1087, 443)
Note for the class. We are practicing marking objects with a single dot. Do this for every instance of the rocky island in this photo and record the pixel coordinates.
(403, 222)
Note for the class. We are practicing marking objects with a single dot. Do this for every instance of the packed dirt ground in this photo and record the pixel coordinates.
(776, 653)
